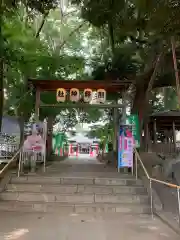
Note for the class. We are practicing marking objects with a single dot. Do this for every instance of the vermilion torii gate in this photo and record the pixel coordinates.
(109, 86)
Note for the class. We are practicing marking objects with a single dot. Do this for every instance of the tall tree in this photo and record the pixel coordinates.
(1, 64)
(147, 27)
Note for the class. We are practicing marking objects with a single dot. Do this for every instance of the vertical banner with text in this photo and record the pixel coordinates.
(125, 147)
(133, 120)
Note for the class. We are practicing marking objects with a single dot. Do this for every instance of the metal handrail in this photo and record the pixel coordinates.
(165, 183)
(138, 158)
(7, 166)
(142, 164)
(154, 179)
(13, 160)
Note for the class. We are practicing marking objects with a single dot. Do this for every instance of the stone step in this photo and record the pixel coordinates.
(77, 180)
(71, 198)
(57, 188)
(73, 208)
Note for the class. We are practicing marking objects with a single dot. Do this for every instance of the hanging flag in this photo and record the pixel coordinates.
(133, 120)
(106, 148)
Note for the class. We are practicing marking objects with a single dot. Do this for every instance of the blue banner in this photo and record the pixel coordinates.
(120, 147)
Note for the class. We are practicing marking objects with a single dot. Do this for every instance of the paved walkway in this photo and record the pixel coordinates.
(81, 166)
(83, 227)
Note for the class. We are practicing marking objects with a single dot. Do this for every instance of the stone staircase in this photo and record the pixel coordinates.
(42, 193)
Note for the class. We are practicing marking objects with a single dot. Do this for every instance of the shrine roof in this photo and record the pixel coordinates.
(169, 113)
(164, 119)
(52, 85)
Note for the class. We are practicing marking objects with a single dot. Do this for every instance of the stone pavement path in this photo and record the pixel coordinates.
(81, 166)
(82, 227)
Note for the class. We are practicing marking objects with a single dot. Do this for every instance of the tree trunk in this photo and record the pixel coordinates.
(154, 74)
(143, 88)
(42, 24)
(175, 68)
(1, 91)
(21, 126)
(139, 103)
(1, 67)
(49, 135)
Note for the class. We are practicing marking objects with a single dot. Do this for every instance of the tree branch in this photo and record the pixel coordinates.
(69, 13)
(153, 76)
(45, 15)
(71, 33)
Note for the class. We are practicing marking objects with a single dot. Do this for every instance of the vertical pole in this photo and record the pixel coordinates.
(90, 154)
(178, 195)
(49, 135)
(77, 150)
(155, 131)
(97, 149)
(136, 165)
(115, 135)
(45, 139)
(123, 119)
(69, 150)
(147, 137)
(174, 134)
(33, 161)
(115, 129)
(132, 170)
(151, 197)
(37, 104)
(20, 163)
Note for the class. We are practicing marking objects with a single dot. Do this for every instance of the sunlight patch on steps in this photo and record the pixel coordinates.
(16, 234)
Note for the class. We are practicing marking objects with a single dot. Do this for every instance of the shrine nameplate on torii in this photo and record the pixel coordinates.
(78, 92)
(74, 95)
